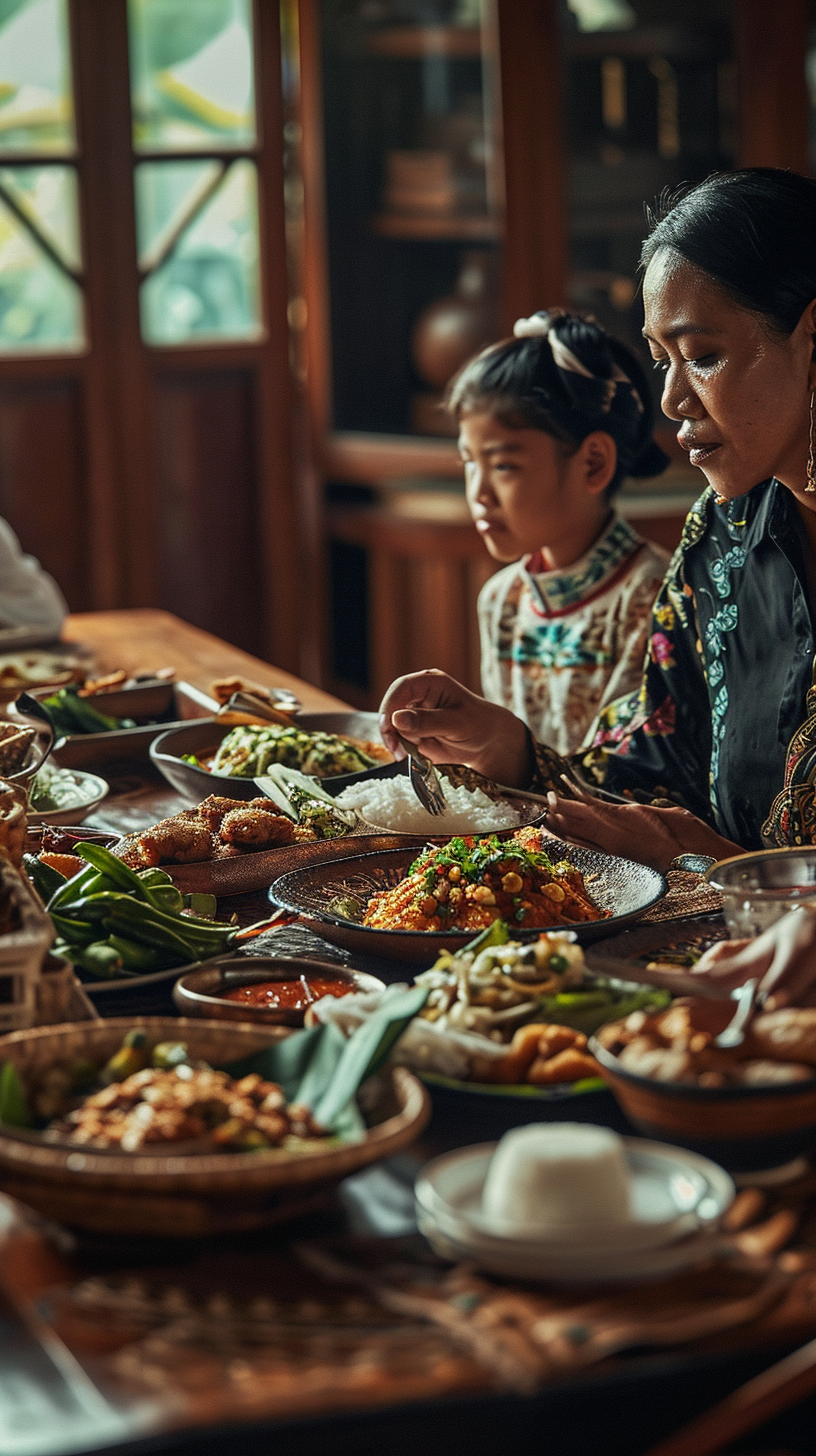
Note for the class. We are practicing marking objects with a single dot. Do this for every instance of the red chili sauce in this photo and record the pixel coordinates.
(296, 994)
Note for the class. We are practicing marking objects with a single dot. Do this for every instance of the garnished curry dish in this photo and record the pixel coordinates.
(468, 883)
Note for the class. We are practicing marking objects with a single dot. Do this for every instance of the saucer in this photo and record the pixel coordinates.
(678, 1197)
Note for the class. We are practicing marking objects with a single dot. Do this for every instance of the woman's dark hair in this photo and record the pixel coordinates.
(520, 383)
(754, 232)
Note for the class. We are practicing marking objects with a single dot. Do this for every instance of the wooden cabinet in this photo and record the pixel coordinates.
(520, 139)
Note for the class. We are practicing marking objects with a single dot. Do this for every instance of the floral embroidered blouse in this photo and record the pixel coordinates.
(557, 646)
(725, 716)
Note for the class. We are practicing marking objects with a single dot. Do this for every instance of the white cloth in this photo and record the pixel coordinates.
(557, 646)
(29, 597)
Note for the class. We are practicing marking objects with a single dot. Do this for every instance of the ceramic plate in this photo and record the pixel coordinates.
(105, 991)
(90, 791)
(678, 1198)
(624, 888)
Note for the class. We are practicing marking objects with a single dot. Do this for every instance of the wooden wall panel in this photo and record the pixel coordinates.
(42, 480)
(771, 44)
(535, 170)
(209, 566)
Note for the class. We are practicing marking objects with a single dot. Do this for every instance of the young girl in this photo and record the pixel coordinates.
(550, 423)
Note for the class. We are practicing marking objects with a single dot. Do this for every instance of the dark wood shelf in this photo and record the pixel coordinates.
(414, 42)
(679, 43)
(471, 228)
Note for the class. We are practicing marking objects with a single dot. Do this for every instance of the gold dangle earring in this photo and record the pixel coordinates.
(810, 483)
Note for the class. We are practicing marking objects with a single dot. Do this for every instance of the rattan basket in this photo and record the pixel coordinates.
(176, 1194)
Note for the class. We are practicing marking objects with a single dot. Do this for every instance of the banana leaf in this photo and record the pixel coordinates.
(323, 1070)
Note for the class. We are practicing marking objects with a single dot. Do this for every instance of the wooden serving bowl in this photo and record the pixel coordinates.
(201, 992)
(749, 1129)
(175, 1194)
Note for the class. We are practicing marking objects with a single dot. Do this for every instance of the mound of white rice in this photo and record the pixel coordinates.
(392, 804)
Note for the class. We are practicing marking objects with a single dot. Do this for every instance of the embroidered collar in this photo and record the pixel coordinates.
(560, 590)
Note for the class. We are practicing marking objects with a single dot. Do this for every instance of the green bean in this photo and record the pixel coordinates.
(75, 932)
(72, 889)
(137, 957)
(123, 877)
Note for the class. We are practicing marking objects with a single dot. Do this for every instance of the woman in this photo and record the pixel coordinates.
(725, 717)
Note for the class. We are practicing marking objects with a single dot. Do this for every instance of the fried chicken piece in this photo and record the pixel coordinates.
(213, 809)
(254, 828)
(184, 839)
(180, 840)
(132, 852)
(569, 1065)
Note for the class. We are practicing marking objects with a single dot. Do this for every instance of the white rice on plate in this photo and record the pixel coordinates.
(392, 804)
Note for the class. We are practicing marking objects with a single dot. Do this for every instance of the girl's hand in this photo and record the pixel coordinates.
(449, 724)
(783, 959)
(635, 831)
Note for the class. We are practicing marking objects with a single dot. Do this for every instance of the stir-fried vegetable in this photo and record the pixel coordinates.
(69, 713)
(113, 921)
(248, 751)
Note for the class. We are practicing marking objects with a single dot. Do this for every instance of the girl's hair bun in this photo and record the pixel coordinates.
(563, 373)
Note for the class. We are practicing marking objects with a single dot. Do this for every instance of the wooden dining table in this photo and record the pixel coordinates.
(437, 1395)
(143, 637)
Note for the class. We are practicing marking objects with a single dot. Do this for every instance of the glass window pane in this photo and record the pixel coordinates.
(203, 278)
(191, 74)
(48, 196)
(36, 109)
(40, 305)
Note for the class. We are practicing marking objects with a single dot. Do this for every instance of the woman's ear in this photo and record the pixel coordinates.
(599, 461)
(808, 322)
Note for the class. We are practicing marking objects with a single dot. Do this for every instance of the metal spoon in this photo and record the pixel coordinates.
(734, 1033)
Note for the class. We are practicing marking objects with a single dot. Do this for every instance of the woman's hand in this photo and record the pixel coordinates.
(635, 831)
(782, 959)
(449, 724)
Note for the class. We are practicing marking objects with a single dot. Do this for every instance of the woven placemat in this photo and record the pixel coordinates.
(688, 894)
(351, 1323)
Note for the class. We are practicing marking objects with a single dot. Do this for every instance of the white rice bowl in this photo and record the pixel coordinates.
(392, 804)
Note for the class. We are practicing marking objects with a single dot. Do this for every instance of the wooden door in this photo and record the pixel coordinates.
(146, 460)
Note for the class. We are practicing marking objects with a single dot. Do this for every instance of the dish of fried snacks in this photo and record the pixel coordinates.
(216, 829)
(677, 1045)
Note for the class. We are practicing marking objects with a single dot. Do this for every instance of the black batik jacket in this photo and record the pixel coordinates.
(725, 718)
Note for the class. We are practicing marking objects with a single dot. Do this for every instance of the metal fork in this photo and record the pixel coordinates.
(425, 780)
